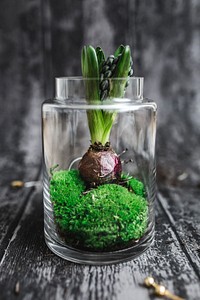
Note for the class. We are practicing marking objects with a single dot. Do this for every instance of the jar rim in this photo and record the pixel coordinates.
(67, 87)
(66, 78)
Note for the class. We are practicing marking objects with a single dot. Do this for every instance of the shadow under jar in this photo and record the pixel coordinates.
(111, 219)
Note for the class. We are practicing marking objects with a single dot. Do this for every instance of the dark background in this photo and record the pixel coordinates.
(41, 39)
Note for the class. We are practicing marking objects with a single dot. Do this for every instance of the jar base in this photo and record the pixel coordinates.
(100, 258)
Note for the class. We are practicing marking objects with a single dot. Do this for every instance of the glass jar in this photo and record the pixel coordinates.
(98, 198)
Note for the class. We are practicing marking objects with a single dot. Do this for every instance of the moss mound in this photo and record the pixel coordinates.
(105, 218)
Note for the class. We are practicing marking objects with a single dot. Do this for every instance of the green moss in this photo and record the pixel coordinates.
(65, 190)
(106, 217)
(134, 184)
(137, 186)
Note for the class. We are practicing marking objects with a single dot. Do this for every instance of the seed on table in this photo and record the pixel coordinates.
(17, 288)
(149, 281)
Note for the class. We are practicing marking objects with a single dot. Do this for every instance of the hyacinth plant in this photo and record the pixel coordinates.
(104, 79)
(98, 207)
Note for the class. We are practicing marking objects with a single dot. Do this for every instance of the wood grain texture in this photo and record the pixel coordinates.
(183, 215)
(42, 275)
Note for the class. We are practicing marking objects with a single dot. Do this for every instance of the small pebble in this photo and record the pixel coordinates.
(17, 288)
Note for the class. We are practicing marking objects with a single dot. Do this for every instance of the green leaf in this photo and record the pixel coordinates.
(119, 50)
(90, 66)
(100, 122)
(100, 57)
(123, 64)
(96, 125)
(118, 83)
(90, 69)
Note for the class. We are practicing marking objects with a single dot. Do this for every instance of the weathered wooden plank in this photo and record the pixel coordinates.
(12, 205)
(41, 274)
(182, 209)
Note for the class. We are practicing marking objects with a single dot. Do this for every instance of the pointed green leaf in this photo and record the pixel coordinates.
(120, 76)
(100, 122)
(100, 56)
(90, 69)
(89, 62)
(119, 50)
(123, 64)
